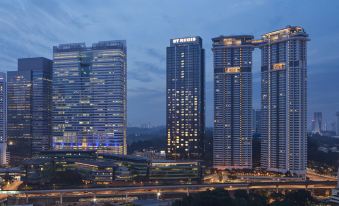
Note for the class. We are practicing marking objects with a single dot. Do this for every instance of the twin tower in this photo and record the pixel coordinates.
(283, 100)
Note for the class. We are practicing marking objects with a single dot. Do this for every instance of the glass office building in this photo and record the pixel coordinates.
(284, 100)
(29, 108)
(232, 135)
(185, 98)
(90, 96)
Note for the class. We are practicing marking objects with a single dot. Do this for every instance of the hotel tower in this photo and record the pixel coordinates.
(185, 98)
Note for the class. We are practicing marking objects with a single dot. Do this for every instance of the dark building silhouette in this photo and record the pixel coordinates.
(29, 108)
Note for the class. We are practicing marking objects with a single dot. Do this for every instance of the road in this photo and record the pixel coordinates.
(318, 177)
(10, 187)
(312, 175)
(168, 189)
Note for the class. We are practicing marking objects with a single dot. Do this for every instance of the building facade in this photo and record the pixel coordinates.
(3, 119)
(256, 121)
(90, 96)
(284, 100)
(171, 170)
(185, 98)
(29, 108)
(232, 135)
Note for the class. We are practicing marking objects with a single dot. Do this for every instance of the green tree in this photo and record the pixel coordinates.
(220, 197)
(68, 177)
(298, 198)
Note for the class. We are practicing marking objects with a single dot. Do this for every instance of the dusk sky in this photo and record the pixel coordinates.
(32, 28)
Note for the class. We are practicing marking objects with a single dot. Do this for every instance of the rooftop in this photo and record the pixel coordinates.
(114, 44)
(233, 40)
(285, 32)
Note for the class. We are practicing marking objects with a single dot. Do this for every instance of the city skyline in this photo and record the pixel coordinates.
(148, 90)
(148, 102)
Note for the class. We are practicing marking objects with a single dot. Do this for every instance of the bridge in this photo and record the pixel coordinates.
(158, 190)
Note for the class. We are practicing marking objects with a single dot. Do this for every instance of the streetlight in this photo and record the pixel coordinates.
(158, 195)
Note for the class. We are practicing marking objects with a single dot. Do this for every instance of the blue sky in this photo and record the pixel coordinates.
(31, 28)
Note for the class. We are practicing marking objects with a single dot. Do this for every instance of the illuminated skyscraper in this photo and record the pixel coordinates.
(89, 97)
(284, 100)
(185, 98)
(232, 136)
(29, 108)
(3, 119)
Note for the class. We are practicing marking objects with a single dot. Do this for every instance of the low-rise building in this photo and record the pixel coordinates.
(100, 172)
(168, 170)
(103, 168)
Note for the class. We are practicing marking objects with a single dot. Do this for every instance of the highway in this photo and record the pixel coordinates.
(167, 189)
(319, 177)
(10, 187)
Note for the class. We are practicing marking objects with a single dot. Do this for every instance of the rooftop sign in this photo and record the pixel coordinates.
(232, 69)
(184, 40)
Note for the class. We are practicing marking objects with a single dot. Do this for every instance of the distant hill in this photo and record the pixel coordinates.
(155, 138)
(135, 134)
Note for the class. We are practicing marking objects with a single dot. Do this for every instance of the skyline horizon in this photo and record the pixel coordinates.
(256, 85)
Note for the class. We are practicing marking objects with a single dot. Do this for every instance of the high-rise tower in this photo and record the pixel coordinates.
(232, 136)
(3, 119)
(284, 100)
(29, 108)
(90, 97)
(185, 98)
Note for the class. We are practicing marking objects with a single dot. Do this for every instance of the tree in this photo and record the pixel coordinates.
(299, 197)
(68, 177)
(218, 197)
(221, 197)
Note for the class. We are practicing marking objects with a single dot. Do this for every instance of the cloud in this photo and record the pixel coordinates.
(158, 55)
(139, 76)
(31, 28)
(148, 67)
(146, 92)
